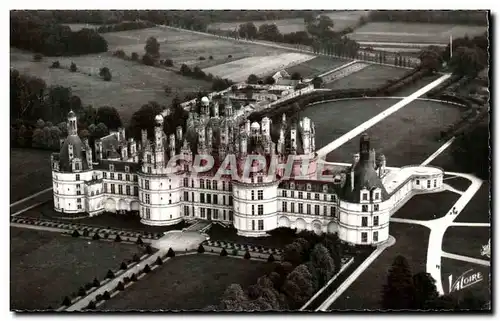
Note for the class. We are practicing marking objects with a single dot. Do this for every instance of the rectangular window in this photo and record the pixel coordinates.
(308, 208)
(231, 216)
(376, 196)
(112, 175)
(308, 196)
(253, 209)
(186, 196)
(215, 199)
(186, 210)
(223, 186)
(334, 198)
(283, 193)
(148, 201)
(435, 183)
(202, 198)
(78, 200)
(253, 225)
(230, 186)
(365, 196)
(149, 169)
(127, 169)
(261, 225)
(364, 208)
(230, 200)
(223, 215)
(223, 199)
(364, 237)
(325, 211)
(185, 182)
(136, 190)
(105, 187)
(375, 236)
(77, 177)
(79, 206)
(283, 207)
(375, 207)
(104, 175)
(260, 194)
(301, 208)
(292, 194)
(127, 189)
(332, 211)
(120, 189)
(113, 188)
(127, 177)
(148, 213)
(316, 209)
(78, 192)
(428, 183)
(364, 221)
(209, 198)
(202, 183)
(111, 167)
(148, 158)
(120, 176)
(209, 184)
(259, 179)
(292, 207)
(253, 195)
(214, 184)
(146, 184)
(375, 221)
(202, 212)
(261, 209)
(316, 196)
(216, 214)
(135, 178)
(418, 182)
(301, 195)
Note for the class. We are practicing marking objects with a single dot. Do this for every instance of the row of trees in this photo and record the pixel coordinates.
(471, 151)
(30, 32)
(461, 17)
(406, 291)
(125, 25)
(218, 84)
(307, 264)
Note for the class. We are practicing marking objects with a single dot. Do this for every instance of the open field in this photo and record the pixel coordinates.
(30, 172)
(189, 282)
(446, 161)
(341, 20)
(316, 66)
(239, 70)
(428, 206)
(117, 221)
(365, 292)
(185, 47)
(412, 32)
(478, 209)
(45, 267)
(466, 240)
(132, 85)
(456, 268)
(372, 76)
(406, 137)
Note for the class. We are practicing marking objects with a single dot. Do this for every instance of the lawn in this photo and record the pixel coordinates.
(446, 161)
(115, 221)
(30, 172)
(219, 233)
(184, 46)
(45, 267)
(428, 206)
(190, 282)
(132, 85)
(466, 240)
(478, 209)
(457, 182)
(341, 20)
(316, 66)
(364, 292)
(372, 76)
(412, 32)
(456, 268)
(409, 136)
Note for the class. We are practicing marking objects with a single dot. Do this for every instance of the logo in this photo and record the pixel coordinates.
(467, 279)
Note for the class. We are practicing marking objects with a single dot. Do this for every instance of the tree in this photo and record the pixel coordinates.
(148, 60)
(118, 238)
(247, 30)
(247, 255)
(38, 140)
(73, 67)
(159, 261)
(185, 70)
(234, 298)
(110, 275)
(139, 241)
(123, 266)
(298, 286)
(109, 116)
(66, 301)
(398, 293)
(201, 249)
(134, 56)
(75, 233)
(120, 286)
(269, 80)
(296, 76)
(106, 296)
(168, 63)
(322, 267)
(430, 59)
(147, 269)
(144, 118)
(295, 253)
(105, 74)
(55, 64)
(252, 79)
(149, 249)
(468, 61)
(170, 253)
(471, 151)
(425, 290)
(152, 47)
(271, 258)
(317, 82)
(96, 236)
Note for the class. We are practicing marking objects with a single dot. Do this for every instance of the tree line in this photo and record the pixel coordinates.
(30, 32)
(125, 25)
(462, 17)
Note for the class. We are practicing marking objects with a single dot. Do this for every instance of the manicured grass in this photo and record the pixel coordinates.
(365, 291)
(184, 46)
(465, 240)
(115, 221)
(372, 76)
(478, 209)
(189, 282)
(413, 32)
(30, 172)
(316, 66)
(409, 136)
(219, 233)
(428, 206)
(456, 268)
(132, 85)
(457, 182)
(45, 267)
(341, 20)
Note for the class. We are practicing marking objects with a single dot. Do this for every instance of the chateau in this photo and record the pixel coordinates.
(157, 178)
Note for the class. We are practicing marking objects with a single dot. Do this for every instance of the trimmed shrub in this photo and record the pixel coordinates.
(201, 249)
(149, 249)
(139, 241)
(136, 258)
(126, 280)
(134, 56)
(230, 56)
(96, 283)
(91, 305)
(88, 286)
(110, 275)
(106, 235)
(168, 63)
(81, 291)
(118, 238)
(123, 266)
(72, 67)
(223, 252)
(133, 277)
(234, 252)
(147, 269)
(270, 258)
(106, 296)
(247, 255)
(55, 64)
(75, 233)
(202, 58)
(98, 298)
(120, 286)
(211, 57)
(86, 233)
(37, 57)
(159, 261)
(66, 301)
(170, 253)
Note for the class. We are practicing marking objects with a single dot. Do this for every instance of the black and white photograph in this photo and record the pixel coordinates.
(238, 160)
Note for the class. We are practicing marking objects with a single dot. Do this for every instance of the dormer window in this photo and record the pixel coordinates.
(308, 186)
(127, 169)
(376, 196)
(111, 167)
(325, 188)
(364, 196)
(292, 185)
